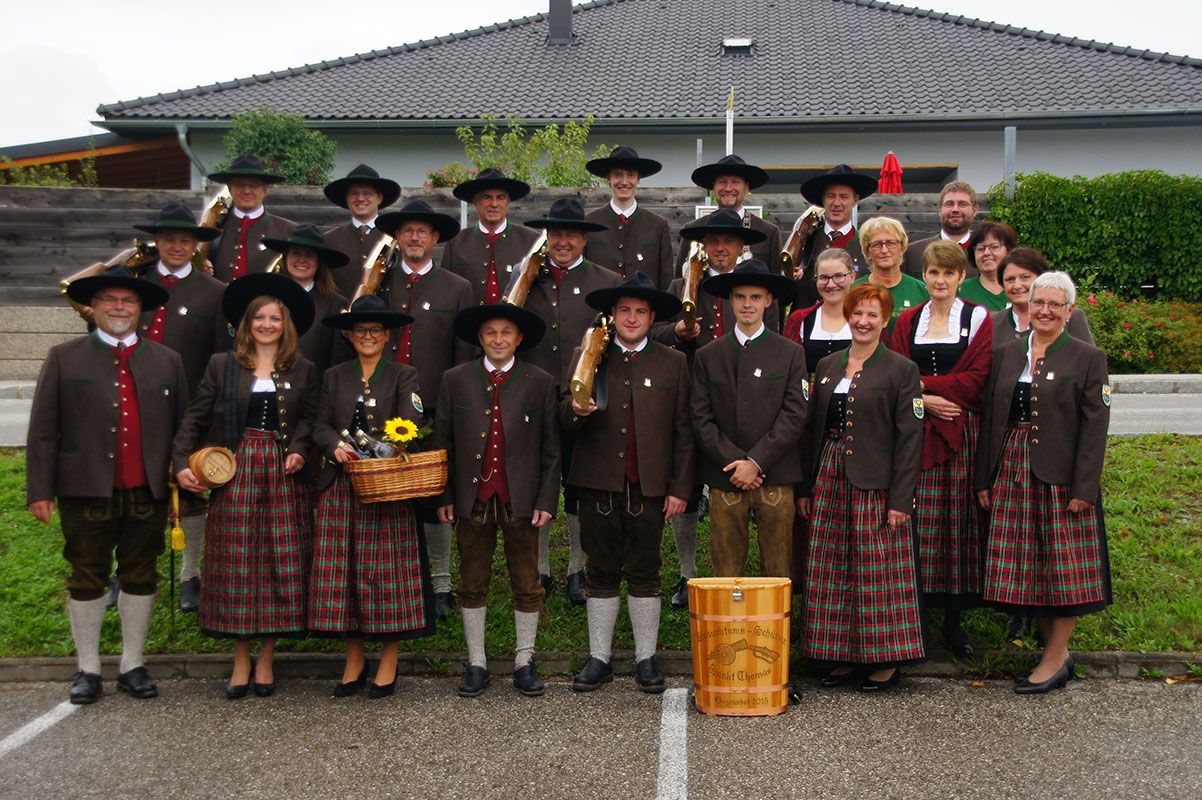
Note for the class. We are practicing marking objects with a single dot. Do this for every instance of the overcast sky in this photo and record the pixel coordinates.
(61, 58)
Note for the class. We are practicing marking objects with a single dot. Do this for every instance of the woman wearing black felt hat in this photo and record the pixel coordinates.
(370, 578)
(258, 400)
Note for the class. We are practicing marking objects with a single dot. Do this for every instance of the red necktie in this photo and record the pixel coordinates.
(240, 262)
(964, 245)
(492, 293)
(558, 273)
(632, 450)
(404, 350)
(623, 219)
(158, 326)
(840, 240)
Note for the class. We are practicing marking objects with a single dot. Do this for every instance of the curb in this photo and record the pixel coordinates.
(1100, 664)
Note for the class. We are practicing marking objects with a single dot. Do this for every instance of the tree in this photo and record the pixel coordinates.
(284, 142)
(551, 156)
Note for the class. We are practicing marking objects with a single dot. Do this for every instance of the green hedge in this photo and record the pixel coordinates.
(1121, 230)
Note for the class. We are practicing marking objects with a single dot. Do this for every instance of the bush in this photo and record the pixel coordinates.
(1142, 336)
(286, 145)
(1183, 350)
(80, 173)
(1127, 228)
(551, 156)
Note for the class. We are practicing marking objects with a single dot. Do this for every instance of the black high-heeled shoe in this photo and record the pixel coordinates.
(236, 691)
(835, 678)
(1058, 680)
(376, 691)
(869, 685)
(355, 686)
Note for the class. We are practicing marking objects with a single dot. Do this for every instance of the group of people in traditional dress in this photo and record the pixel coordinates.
(926, 430)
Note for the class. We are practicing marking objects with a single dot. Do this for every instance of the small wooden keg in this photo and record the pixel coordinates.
(212, 466)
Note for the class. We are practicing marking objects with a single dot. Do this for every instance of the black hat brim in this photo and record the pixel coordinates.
(813, 189)
(664, 305)
(199, 231)
(335, 191)
(696, 233)
(704, 176)
(242, 291)
(468, 190)
(349, 319)
(228, 175)
(601, 167)
(330, 257)
(83, 290)
(582, 225)
(469, 320)
(782, 288)
(447, 226)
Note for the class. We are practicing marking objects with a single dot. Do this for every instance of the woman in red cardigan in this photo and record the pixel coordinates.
(950, 340)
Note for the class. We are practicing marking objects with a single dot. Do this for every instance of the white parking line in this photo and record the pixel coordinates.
(673, 783)
(38, 726)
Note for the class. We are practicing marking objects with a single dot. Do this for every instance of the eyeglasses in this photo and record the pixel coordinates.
(884, 244)
(421, 233)
(838, 277)
(1050, 305)
(989, 248)
(365, 333)
(110, 300)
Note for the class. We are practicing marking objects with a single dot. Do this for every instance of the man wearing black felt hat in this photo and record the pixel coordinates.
(837, 191)
(191, 324)
(432, 296)
(749, 408)
(730, 179)
(106, 408)
(239, 250)
(637, 239)
(363, 193)
(559, 298)
(486, 253)
(633, 468)
(497, 419)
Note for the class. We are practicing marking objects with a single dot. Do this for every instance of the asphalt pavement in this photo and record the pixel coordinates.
(930, 738)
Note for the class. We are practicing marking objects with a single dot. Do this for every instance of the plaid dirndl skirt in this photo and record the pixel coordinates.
(1039, 558)
(370, 576)
(256, 548)
(861, 598)
(947, 524)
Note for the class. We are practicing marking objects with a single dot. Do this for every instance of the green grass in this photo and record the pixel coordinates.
(1153, 496)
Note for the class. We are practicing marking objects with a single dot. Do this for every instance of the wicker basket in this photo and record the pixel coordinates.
(379, 480)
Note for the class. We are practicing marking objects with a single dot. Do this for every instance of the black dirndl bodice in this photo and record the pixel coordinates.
(940, 359)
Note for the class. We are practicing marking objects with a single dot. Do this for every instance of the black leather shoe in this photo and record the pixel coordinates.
(526, 681)
(680, 595)
(796, 693)
(189, 596)
(376, 691)
(869, 685)
(1017, 626)
(594, 673)
(1058, 680)
(834, 678)
(958, 644)
(475, 681)
(85, 688)
(648, 676)
(138, 683)
(236, 691)
(443, 603)
(110, 601)
(264, 689)
(547, 582)
(355, 686)
(577, 588)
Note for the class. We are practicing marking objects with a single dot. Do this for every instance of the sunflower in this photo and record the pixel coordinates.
(400, 430)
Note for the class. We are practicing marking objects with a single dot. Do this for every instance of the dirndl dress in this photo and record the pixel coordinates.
(1040, 560)
(257, 540)
(861, 601)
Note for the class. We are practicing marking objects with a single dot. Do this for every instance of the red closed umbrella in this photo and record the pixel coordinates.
(891, 172)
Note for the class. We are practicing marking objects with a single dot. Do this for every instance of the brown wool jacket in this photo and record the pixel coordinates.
(528, 421)
(224, 253)
(566, 315)
(656, 385)
(194, 325)
(912, 259)
(346, 239)
(883, 443)
(1070, 414)
(204, 424)
(72, 434)
(467, 255)
(749, 403)
(389, 393)
(1004, 330)
(643, 244)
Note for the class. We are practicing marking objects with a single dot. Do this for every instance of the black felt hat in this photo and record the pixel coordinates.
(311, 237)
(842, 175)
(177, 217)
(567, 213)
(705, 175)
(246, 166)
(119, 277)
(336, 190)
(368, 308)
(724, 220)
(751, 272)
(638, 285)
(419, 210)
(242, 291)
(469, 320)
(491, 178)
(623, 157)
